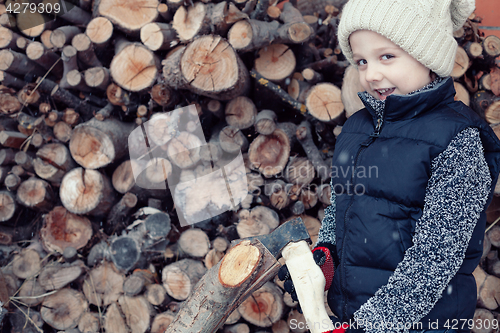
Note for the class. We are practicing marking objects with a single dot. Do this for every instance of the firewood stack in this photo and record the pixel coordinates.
(85, 246)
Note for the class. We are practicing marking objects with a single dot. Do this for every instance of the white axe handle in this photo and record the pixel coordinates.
(309, 283)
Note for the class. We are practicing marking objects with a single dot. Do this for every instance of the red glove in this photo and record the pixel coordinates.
(324, 259)
(341, 329)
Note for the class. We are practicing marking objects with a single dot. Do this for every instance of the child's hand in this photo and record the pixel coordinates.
(323, 259)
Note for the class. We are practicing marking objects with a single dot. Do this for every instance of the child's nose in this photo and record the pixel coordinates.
(373, 74)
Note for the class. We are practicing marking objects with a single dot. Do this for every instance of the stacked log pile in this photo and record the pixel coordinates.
(87, 244)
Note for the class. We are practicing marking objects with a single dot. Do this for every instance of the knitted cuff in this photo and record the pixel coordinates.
(327, 266)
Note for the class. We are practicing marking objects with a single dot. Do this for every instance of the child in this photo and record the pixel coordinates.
(406, 237)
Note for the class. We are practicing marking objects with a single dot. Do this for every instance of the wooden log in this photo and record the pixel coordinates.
(491, 46)
(104, 285)
(461, 63)
(163, 95)
(34, 24)
(37, 52)
(309, 198)
(323, 101)
(158, 36)
(461, 94)
(183, 151)
(70, 63)
(232, 140)
(26, 264)
(142, 74)
(280, 326)
(349, 91)
(95, 143)
(212, 258)
(26, 320)
(62, 229)
(485, 82)
(269, 153)
(156, 294)
(53, 161)
(56, 276)
(297, 322)
(488, 289)
(137, 313)
(324, 193)
(125, 252)
(89, 322)
(36, 194)
(62, 131)
(63, 309)
(275, 62)
(99, 30)
(240, 112)
(265, 122)
(86, 192)
(279, 195)
(180, 277)
(113, 320)
(473, 49)
(82, 43)
(19, 63)
(208, 66)
(483, 321)
(10, 80)
(305, 138)
(200, 19)
(31, 292)
(261, 220)
(237, 328)
(494, 236)
(194, 243)
(225, 286)
(492, 112)
(8, 38)
(7, 206)
(162, 321)
(12, 182)
(9, 104)
(481, 101)
(97, 77)
(299, 171)
(233, 318)
(119, 213)
(63, 35)
(142, 13)
(265, 307)
(135, 283)
(45, 39)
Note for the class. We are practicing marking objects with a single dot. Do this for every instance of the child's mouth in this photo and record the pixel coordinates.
(383, 93)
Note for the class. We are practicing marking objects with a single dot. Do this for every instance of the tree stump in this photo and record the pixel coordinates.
(63, 309)
(62, 229)
(208, 66)
(86, 192)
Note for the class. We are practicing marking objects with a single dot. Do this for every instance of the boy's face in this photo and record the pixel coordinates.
(385, 68)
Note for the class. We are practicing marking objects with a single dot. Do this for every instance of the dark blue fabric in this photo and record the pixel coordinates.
(380, 181)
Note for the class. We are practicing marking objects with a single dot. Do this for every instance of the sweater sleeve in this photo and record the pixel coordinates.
(455, 196)
(326, 236)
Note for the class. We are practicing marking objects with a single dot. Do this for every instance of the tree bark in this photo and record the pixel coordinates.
(119, 213)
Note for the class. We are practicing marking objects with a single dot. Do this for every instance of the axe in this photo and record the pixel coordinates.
(246, 267)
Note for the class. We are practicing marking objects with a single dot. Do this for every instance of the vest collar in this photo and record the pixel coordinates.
(399, 107)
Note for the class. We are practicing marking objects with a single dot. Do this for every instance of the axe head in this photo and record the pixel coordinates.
(289, 232)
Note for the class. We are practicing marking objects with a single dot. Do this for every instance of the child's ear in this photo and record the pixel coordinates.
(432, 75)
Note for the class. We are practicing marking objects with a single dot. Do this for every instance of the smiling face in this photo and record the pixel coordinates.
(385, 68)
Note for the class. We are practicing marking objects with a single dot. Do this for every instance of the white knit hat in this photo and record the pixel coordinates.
(423, 28)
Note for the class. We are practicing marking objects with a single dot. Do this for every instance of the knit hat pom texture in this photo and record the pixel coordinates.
(423, 28)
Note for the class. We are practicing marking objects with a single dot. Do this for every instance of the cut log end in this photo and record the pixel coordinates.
(239, 264)
(324, 102)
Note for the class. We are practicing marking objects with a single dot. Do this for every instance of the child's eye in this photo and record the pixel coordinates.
(387, 56)
(361, 62)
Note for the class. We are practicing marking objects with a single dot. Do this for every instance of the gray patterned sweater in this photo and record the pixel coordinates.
(455, 196)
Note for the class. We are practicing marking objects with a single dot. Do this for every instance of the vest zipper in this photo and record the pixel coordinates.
(364, 145)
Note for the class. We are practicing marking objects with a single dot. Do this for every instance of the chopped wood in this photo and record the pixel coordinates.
(304, 136)
(125, 252)
(10, 104)
(104, 285)
(156, 294)
(208, 66)
(491, 46)
(99, 30)
(212, 258)
(275, 62)
(349, 92)
(53, 161)
(261, 220)
(19, 63)
(97, 77)
(134, 67)
(36, 194)
(488, 289)
(269, 153)
(482, 321)
(265, 122)
(180, 277)
(264, 307)
(194, 243)
(299, 171)
(297, 322)
(62, 229)
(162, 321)
(89, 323)
(26, 264)
(240, 112)
(56, 276)
(31, 292)
(183, 151)
(43, 56)
(473, 49)
(462, 94)
(232, 140)
(137, 313)
(12, 182)
(220, 244)
(119, 213)
(132, 15)
(95, 143)
(86, 191)
(324, 102)
(237, 328)
(26, 320)
(113, 319)
(461, 63)
(485, 82)
(12, 139)
(163, 95)
(308, 198)
(135, 283)
(62, 131)
(158, 36)
(7, 206)
(82, 43)
(63, 35)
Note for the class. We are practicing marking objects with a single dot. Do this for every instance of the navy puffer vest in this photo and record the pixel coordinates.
(380, 174)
